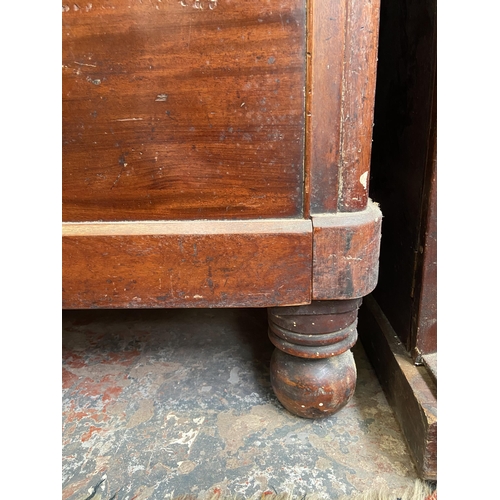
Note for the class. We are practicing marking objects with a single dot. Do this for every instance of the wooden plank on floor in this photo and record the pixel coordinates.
(410, 390)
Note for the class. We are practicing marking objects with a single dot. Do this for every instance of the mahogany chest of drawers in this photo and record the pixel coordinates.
(216, 154)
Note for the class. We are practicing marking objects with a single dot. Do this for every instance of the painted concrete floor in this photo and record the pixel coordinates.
(164, 403)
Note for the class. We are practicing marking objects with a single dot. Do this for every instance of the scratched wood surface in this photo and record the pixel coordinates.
(342, 63)
(187, 264)
(313, 373)
(346, 250)
(190, 109)
(358, 92)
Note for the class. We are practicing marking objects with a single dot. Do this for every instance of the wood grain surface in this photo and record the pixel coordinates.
(358, 102)
(190, 109)
(326, 41)
(424, 313)
(190, 178)
(346, 252)
(187, 264)
(342, 63)
(312, 370)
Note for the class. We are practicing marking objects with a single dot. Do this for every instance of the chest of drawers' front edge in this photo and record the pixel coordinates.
(258, 263)
(342, 46)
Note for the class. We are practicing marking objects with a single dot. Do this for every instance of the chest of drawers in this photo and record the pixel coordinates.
(216, 154)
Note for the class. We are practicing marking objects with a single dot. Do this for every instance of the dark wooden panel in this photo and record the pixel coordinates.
(346, 250)
(187, 264)
(401, 148)
(424, 315)
(183, 110)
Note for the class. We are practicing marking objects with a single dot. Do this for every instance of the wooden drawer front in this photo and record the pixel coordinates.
(176, 110)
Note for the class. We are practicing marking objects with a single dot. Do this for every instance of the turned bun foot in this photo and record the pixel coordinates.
(313, 388)
(313, 373)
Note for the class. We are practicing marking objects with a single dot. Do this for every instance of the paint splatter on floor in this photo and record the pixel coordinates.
(164, 403)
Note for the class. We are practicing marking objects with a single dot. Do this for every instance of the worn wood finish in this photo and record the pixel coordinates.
(313, 323)
(345, 253)
(187, 264)
(358, 94)
(410, 390)
(319, 307)
(343, 262)
(342, 50)
(183, 110)
(313, 388)
(181, 121)
(312, 370)
(326, 40)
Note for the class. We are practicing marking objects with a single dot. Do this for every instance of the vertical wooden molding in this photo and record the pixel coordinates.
(342, 42)
(358, 98)
(307, 112)
(325, 56)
